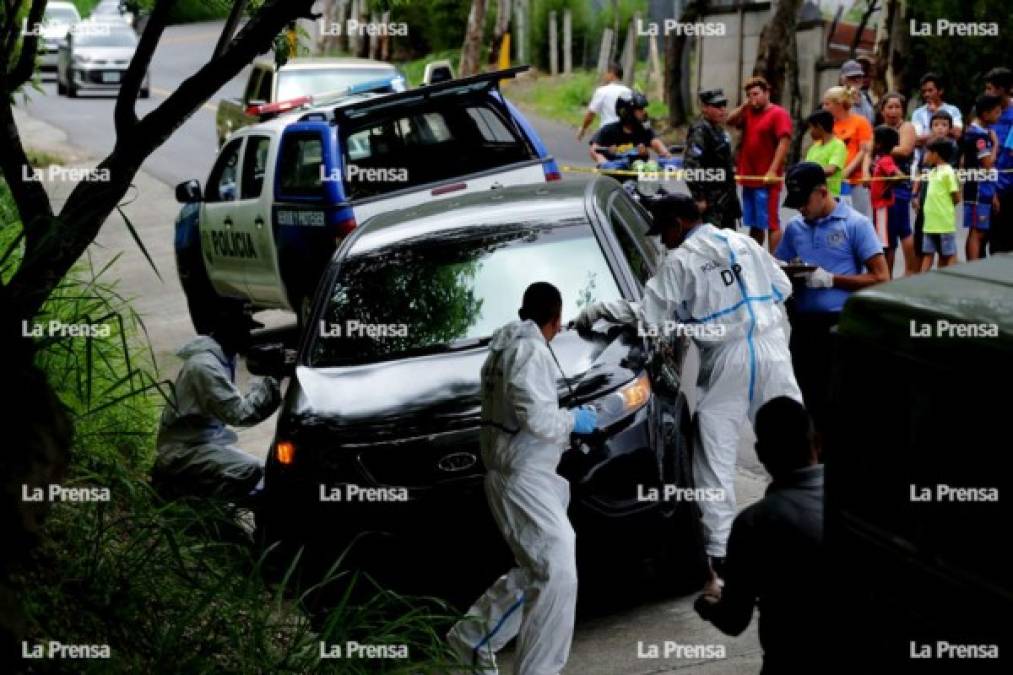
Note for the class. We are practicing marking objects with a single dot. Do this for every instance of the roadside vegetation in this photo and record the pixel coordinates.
(170, 586)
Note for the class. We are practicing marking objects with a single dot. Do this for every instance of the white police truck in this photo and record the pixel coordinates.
(283, 194)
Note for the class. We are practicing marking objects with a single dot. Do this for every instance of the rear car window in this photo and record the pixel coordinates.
(300, 159)
(435, 142)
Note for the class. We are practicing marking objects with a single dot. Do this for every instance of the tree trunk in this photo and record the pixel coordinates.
(795, 149)
(772, 51)
(472, 39)
(500, 29)
(675, 46)
(898, 76)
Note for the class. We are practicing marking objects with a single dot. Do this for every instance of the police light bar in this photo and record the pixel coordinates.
(266, 109)
(394, 83)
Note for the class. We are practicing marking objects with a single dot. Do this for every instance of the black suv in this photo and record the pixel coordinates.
(379, 428)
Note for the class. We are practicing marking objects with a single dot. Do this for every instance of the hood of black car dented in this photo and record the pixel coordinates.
(434, 387)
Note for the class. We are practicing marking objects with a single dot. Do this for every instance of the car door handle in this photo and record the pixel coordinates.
(227, 222)
(259, 222)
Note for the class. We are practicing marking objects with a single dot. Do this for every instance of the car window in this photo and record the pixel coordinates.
(437, 141)
(625, 220)
(293, 83)
(60, 15)
(222, 180)
(251, 86)
(254, 165)
(425, 294)
(264, 89)
(87, 34)
(299, 163)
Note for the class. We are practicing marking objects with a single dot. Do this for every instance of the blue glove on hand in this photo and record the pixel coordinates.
(584, 420)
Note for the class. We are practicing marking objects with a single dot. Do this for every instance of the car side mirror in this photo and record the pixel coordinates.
(188, 191)
(272, 359)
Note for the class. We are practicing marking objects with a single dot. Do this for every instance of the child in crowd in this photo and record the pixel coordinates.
(942, 194)
(978, 149)
(884, 173)
(827, 150)
(941, 125)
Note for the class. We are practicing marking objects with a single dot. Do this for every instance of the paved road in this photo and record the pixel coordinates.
(609, 643)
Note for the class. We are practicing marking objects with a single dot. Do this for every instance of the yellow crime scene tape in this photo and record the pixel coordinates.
(677, 174)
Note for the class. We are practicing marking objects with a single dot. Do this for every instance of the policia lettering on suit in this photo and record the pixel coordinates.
(709, 150)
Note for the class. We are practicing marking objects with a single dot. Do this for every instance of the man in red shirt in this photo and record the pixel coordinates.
(766, 134)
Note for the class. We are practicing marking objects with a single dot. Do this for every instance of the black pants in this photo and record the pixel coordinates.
(1000, 233)
(812, 357)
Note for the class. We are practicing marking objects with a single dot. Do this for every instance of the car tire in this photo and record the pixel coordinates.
(71, 90)
(144, 93)
(206, 307)
(60, 89)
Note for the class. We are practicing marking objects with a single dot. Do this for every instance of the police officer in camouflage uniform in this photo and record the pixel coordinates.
(709, 146)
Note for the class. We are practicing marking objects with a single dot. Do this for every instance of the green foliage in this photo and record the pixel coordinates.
(84, 7)
(433, 25)
(188, 11)
(173, 587)
(961, 61)
(583, 25)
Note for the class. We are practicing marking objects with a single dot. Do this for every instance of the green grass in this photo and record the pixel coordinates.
(173, 586)
(564, 98)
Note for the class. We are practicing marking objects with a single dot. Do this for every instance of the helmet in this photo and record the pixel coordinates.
(626, 104)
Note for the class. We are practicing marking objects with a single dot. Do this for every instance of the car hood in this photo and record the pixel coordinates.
(428, 391)
(105, 53)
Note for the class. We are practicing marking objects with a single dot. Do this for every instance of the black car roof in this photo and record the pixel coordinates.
(540, 202)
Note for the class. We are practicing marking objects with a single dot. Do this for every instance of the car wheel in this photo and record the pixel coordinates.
(683, 562)
(60, 89)
(206, 307)
(71, 89)
(144, 93)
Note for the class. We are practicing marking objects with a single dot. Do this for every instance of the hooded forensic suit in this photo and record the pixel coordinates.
(196, 450)
(524, 433)
(726, 285)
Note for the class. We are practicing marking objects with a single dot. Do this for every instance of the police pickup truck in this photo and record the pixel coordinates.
(283, 194)
(271, 89)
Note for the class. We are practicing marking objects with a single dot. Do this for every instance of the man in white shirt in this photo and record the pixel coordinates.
(603, 103)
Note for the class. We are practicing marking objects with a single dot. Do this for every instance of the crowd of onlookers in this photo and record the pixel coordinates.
(909, 176)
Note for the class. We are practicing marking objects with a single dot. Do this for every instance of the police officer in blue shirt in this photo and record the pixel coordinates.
(999, 82)
(842, 254)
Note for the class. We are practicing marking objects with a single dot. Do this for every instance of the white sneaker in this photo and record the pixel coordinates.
(472, 662)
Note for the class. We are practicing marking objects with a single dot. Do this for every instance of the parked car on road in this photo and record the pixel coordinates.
(56, 23)
(272, 89)
(379, 429)
(95, 58)
(284, 192)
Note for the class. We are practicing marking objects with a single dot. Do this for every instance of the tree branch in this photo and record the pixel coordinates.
(125, 116)
(29, 196)
(50, 252)
(26, 60)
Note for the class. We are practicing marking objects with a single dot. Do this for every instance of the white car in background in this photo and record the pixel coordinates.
(95, 57)
(56, 23)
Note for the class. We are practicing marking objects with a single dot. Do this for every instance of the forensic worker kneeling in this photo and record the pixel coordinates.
(775, 554)
(524, 433)
(727, 292)
(196, 449)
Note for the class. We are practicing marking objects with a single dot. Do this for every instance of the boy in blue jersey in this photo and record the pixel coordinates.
(978, 149)
(999, 82)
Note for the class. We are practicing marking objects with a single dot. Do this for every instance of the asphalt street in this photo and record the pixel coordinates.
(614, 643)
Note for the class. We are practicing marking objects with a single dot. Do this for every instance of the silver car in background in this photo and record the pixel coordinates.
(56, 23)
(95, 58)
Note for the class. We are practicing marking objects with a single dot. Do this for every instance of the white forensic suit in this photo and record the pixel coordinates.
(733, 291)
(524, 433)
(196, 450)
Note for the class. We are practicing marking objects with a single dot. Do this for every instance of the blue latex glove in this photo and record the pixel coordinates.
(585, 419)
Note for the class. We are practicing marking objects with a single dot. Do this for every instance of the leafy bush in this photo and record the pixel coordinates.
(173, 586)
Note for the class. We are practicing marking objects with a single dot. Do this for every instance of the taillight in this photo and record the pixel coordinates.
(284, 452)
(552, 175)
(344, 227)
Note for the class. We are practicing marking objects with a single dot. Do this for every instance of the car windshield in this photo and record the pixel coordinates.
(303, 82)
(60, 15)
(453, 289)
(103, 35)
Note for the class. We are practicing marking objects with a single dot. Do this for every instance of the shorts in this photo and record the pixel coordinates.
(977, 215)
(943, 244)
(898, 222)
(760, 206)
(879, 222)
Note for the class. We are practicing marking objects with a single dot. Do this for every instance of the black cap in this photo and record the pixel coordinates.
(665, 208)
(713, 97)
(801, 180)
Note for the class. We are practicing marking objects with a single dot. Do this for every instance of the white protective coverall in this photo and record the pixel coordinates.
(196, 453)
(733, 291)
(524, 434)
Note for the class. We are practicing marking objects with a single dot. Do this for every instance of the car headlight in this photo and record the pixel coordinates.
(81, 59)
(624, 401)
